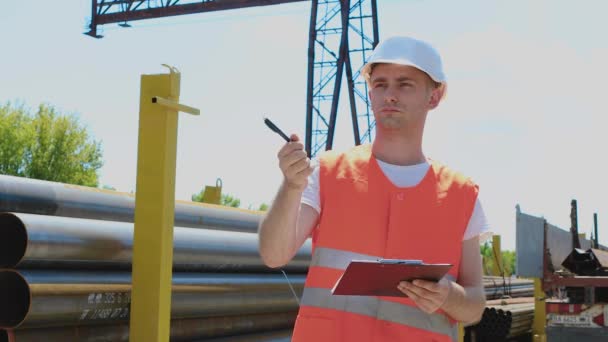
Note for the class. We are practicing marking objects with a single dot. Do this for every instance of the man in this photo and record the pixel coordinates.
(384, 200)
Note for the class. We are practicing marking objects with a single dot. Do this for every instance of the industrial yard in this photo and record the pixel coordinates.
(113, 132)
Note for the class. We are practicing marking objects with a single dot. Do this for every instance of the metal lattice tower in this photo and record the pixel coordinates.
(363, 24)
(342, 35)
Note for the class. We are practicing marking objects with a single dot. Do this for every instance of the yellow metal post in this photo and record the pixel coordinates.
(460, 332)
(497, 269)
(154, 207)
(540, 313)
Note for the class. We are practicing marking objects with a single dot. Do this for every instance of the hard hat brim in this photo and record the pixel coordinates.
(366, 70)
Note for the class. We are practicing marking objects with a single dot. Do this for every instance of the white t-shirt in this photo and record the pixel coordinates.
(403, 176)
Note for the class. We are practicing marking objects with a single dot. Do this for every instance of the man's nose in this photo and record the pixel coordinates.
(390, 96)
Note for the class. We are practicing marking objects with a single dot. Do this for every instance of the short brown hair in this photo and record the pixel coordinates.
(432, 83)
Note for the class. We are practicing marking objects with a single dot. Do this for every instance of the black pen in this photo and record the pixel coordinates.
(274, 127)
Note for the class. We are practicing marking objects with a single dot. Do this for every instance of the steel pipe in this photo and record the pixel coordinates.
(28, 240)
(278, 336)
(181, 330)
(527, 324)
(509, 319)
(519, 319)
(513, 294)
(34, 196)
(51, 298)
(518, 333)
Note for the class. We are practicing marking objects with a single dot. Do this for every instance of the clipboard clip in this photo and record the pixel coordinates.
(400, 261)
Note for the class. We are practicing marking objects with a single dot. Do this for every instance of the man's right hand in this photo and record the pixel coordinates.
(294, 164)
(288, 222)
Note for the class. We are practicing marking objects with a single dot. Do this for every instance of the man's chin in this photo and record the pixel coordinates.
(390, 123)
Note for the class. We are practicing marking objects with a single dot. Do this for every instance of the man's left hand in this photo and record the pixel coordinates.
(428, 295)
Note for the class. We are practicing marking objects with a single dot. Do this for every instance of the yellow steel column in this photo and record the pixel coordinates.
(497, 269)
(540, 313)
(154, 207)
(460, 332)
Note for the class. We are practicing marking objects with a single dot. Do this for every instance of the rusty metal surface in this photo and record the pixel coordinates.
(52, 298)
(551, 279)
(587, 262)
(577, 281)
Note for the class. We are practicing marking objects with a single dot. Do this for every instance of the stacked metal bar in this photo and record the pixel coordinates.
(509, 311)
(499, 287)
(65, 259)
(503, 320)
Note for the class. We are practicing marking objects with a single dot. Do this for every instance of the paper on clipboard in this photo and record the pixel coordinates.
(380, 278)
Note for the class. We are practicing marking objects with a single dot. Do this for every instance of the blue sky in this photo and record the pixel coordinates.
(524, 116)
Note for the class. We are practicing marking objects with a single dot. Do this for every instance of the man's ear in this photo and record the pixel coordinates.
(436, 96)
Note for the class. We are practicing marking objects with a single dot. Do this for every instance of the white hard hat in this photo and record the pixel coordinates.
(407, 51)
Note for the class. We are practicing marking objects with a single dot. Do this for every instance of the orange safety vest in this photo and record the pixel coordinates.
(366, 217)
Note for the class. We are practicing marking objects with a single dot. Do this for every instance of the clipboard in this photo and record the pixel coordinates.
(381, 277)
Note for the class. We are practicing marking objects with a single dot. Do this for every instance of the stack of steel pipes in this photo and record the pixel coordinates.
(499, 287)
(503, 320)
(65, 261)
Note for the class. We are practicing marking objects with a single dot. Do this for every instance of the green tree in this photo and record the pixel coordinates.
(262, 207)
(15, 136)
(230, 201)
(198, 197)
(47, 145)
(487, 258)
(508, 260)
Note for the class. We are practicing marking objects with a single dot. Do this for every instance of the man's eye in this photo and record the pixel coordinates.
(406, 84)
(380, 85)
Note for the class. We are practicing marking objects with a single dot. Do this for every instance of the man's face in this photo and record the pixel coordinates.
(400, 95)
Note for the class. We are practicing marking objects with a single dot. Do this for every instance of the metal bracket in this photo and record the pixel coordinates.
(170, 103)
(175, 106)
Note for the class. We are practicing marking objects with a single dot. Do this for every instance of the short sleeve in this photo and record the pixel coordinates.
(312, 195)
(478, 224)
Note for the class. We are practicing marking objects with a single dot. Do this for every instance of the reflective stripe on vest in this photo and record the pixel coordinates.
(381, 309)
(371, 306)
